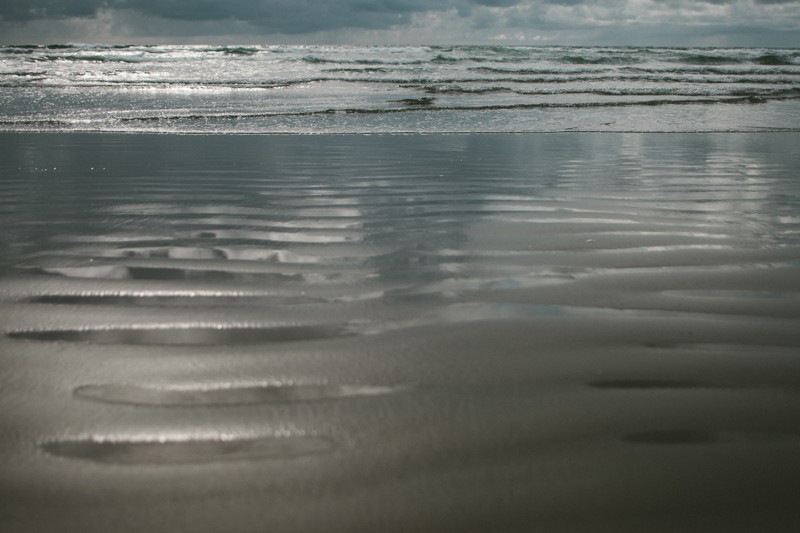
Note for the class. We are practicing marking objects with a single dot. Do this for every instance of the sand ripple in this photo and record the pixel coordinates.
(467, 333)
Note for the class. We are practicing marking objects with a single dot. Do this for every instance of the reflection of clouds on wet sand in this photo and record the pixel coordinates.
(401, 333)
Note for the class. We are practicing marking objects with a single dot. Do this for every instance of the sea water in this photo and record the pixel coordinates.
(405, 89)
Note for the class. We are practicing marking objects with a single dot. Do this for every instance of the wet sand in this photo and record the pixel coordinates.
(568, 332)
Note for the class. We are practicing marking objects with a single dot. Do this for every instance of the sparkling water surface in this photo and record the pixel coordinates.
(412, 89)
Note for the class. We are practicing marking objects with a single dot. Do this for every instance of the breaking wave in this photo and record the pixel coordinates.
(236, 88)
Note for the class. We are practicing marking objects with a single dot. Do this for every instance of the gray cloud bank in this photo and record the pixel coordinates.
(641, 22)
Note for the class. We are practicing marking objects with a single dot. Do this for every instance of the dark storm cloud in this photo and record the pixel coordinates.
(705, 22)
(19, 10)
(287, 16)
(297, 14)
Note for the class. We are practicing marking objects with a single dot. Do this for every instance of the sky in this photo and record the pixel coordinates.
(557, 22)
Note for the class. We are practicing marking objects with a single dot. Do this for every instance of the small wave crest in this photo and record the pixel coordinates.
(599, 60)
(708, 59)
(237, 50)
(778, 59)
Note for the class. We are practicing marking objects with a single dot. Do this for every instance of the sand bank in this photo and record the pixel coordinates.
(572, 332)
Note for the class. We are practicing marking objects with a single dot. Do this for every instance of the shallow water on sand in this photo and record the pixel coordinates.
(567, 332)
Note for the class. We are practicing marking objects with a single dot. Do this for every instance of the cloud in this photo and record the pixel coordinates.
(286, 15)
(22, 10)
(640, 22)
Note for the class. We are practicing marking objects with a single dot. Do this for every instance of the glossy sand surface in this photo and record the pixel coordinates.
(570, 332)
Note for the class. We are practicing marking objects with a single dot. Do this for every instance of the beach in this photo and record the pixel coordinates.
(550, 332)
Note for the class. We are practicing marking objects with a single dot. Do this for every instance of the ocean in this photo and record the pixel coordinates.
(403, 89)
(307, 289)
